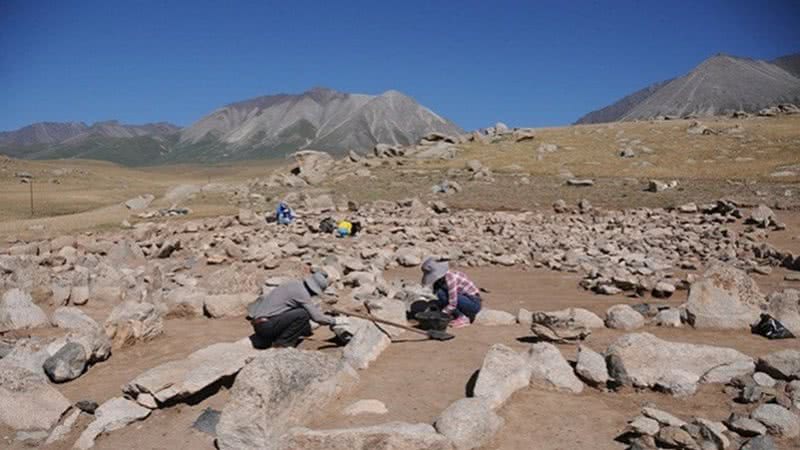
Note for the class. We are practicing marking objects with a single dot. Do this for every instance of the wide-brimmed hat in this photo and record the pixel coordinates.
(317, 282)
(432, 270)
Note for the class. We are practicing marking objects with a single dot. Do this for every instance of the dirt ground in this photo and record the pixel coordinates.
(416, 378)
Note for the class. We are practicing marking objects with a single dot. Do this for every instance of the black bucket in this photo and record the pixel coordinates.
(432, 320)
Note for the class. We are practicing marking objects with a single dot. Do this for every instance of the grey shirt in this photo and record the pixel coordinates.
(285, 297)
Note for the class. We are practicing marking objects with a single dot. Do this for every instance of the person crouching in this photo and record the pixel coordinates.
(281, 317)
(456, 294)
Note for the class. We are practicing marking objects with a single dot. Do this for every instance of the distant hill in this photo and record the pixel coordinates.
(74, 132)
(718, 85)
(262, 127)
(321, 119)
(109, 141)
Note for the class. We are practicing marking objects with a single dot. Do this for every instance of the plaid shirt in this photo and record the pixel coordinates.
(458, 283)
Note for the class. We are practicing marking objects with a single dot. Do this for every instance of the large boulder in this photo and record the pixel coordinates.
(591, 367)
(27, 401)
(17, 311)
(140, 202)
(180, 379)
(67, 363)
(785, 306)
(227, 305)
(125, 253)
(75, 352)
(278, 390)
(550, 370)
(469, 423)
(724, 298)
(573, 317)
(643, 360)
(503, 372)
(312, 166)
(131, 322)
(388, 436)
(185, 302)
(111, 415)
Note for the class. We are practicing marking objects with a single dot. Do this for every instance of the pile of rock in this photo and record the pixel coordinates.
(783, 108)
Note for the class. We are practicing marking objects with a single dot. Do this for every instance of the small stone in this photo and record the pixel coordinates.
(147, 400)
(524, 317)
(760, 443)
(663, 417)
(87, 406)
(763, 379)
(670, 317)
(623, 317)
(674, 437)
(745, 426)
(644, 425)
(779, 420)
(663, 290)
(79, 295)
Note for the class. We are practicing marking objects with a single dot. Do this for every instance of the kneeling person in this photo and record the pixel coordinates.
(281, 318)
(456, 294)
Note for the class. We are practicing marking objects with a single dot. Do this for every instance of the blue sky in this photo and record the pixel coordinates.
(522, 62)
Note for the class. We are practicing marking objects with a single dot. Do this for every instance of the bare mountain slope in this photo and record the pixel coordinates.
(618, 109)
(720, 84)
(789, 63)
(321, 118)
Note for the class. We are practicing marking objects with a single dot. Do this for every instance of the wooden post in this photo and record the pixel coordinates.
(31, 186)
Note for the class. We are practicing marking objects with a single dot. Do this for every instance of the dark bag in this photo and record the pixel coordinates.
(770, 328)
(328, 225)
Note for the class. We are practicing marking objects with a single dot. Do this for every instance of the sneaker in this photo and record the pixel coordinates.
(460, 322)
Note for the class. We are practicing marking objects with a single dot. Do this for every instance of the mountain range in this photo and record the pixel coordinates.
(262, 127)
(719, 85)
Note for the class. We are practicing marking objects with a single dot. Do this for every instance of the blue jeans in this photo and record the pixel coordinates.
(467, 305)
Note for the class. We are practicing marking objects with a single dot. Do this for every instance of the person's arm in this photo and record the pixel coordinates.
(316, 314)
(452, 293)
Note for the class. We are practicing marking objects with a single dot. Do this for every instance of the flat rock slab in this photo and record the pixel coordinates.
(278, 390)
(393, 435)
(111, 415)
(642, 359)
(365, 407)
(27, 401)
(367, 343)
(176, 380)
